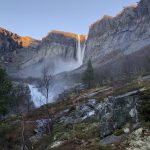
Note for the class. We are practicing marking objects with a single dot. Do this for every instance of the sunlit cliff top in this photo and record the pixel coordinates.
(26, 41)
(68, 34)
(107, 17)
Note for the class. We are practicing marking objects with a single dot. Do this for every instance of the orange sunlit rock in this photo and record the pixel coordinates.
(69, 34)
(26, 41)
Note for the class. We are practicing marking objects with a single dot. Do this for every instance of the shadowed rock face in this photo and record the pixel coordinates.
(12, 45)
(57, 51)
(24, 56)
(128, 32)
(11, 41)
(61, 43)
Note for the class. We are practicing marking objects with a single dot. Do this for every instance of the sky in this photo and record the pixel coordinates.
(36, 18)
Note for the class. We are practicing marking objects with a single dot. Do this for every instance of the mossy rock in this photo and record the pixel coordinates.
(118, 132)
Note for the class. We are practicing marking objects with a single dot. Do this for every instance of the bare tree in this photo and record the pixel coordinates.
(46, 81)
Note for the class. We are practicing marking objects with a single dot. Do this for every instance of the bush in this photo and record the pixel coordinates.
(4, 131)
(88, 76)
(5, 90)
(144, 108)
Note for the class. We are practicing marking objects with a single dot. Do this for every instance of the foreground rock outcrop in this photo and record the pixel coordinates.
(113, 113)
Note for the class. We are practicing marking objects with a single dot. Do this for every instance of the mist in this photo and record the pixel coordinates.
(59, 65)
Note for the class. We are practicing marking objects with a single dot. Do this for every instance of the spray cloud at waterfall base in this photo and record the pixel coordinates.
(36, 96)
(57, 88)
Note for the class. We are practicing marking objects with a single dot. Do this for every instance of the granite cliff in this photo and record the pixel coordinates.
(11, 43)
(58, 50)
(126, 33)
(21, 56)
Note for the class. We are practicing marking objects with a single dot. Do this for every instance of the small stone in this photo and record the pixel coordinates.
(126, 130)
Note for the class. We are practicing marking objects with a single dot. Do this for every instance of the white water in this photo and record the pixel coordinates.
(38, 98)
(80, 52)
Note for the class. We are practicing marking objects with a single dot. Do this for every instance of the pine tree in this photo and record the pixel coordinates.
(5, 89)
(88, 76)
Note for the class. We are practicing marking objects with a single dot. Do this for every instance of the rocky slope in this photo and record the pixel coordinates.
(126, 33)
(96, 118)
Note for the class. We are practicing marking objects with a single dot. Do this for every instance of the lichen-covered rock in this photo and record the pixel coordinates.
(115, 113)
(111, 139)
(112, 113)
(138, 141)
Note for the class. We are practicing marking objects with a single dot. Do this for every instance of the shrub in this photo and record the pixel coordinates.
(5, 90)
(144, 108)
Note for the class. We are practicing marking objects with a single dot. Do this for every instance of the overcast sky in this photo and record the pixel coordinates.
(36, 18)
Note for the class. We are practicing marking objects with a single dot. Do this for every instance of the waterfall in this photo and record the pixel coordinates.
(36, 96)
(83, 51)
(80, 52)
(57, 88)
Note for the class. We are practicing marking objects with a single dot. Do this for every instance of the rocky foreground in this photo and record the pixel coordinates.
(91, 119)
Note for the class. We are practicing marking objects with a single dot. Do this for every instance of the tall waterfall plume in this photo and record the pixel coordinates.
(58, 88)
(80, 52)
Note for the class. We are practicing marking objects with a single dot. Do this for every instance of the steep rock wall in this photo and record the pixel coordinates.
(57, 51)
(128, 32)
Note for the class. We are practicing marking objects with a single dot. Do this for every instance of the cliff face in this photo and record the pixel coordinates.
(111, 38)
(61, 43)
(25, 57)
(10, 41)
(58, 51)
(13, 45)
(126, 33)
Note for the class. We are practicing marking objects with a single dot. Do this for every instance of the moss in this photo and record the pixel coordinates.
(96, 146)
(79, 132)
(43, 143)
(134, 85)
(82, 131)
(146, 124)
(58, 131)
(118, 132)
(8, 134)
